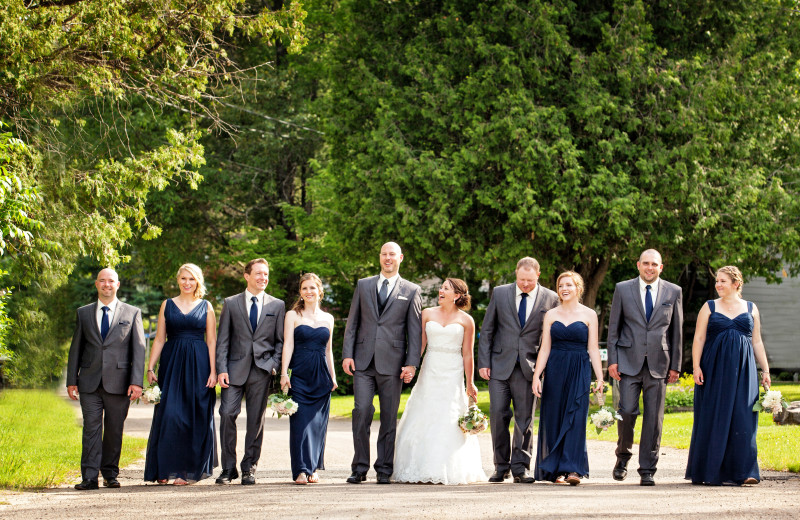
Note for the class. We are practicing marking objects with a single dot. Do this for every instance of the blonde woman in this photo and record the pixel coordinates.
(727, 344)
(308, 352)
(182, 445)
(568, 353)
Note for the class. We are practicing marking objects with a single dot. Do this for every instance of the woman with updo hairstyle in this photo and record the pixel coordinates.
(182, 444)
(308, 354)
(430, 446)
(567, 356)
(727, 343)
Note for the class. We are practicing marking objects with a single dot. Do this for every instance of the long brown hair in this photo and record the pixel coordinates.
(300, 305)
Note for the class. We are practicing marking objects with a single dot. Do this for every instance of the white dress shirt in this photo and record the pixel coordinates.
(531, 300)
(259, 302)
(112, 307)
(392, 282)
(653, 291)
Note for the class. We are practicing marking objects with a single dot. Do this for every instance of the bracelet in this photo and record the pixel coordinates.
(287, 375)
(151, 370)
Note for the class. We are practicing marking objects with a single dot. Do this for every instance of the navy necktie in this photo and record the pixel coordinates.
(648, 303)
(383, 296)
(254, 313)
(522, 308)
(104, 323)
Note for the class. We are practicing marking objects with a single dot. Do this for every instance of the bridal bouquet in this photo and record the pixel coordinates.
(282, 404)
(474, 421)
(770, 401)
(151, 395)
(603, 418)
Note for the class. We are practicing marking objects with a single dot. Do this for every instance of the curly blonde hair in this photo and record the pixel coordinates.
(576, 279)
(197, 273)
(733, 272)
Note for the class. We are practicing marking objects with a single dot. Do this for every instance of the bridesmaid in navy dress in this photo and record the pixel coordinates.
(307, 351)
(182, 444)
(568, 353)
(727, 343)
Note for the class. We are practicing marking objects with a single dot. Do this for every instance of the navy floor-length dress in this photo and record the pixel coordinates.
(182, 443)
(311, 390)
(723, 446)
(564, 404)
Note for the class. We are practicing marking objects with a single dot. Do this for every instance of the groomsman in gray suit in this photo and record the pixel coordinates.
(249, 345)
(645, 345)
(509, 342)
(106, 366)
(382, 349)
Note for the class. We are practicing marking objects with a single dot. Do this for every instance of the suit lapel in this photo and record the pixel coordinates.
(265, 300)
(372, 287)
(637, 298)
(512, 301)
(113, 320)
(537, 307)
(95, 327)
(392, 295)
(242, 300)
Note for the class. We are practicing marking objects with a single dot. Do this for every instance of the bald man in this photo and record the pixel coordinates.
(105, 371)
(382, 349)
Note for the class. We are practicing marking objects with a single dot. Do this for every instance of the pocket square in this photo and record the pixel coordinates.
(402, 298)
(269, 314)
(666, 304)
(124, 323)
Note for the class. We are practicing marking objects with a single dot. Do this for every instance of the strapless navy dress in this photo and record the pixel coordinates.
(723, 446)
(564, 404)
(311, 390)
(182, 443)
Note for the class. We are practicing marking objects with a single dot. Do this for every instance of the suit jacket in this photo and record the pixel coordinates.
(394, 338)
(631, 336)
(239, 346)
(117, 361)
(503, 341)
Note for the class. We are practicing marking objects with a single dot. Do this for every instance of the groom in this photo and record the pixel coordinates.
(509, 342)
(645, 345)
(382, 348)
(249, 345)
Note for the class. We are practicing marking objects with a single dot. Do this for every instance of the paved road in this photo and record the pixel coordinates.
(276, 496)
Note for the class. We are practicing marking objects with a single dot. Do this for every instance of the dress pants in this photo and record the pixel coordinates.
(104, 416)
(654, 391)
(366, 383)
(502, 392)
(254, 392)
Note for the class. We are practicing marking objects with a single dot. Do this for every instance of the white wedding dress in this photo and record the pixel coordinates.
(430, 447)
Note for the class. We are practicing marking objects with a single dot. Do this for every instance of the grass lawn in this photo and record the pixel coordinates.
(40, 440)
(778, 446)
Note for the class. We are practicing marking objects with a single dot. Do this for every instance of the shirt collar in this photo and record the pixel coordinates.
(653, 286)
(249, 296)
(111, 306)
(531, 294)
(392, 280)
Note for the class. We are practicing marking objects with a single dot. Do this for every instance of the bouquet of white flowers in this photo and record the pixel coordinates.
(603, 418)
(770, 401)
(151, 395)
(474, 421)
(282, 404)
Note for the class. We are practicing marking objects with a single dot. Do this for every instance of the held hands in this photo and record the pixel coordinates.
(223, 379)
(697, 374)
(613, 371)
(348, 365)
(485, 373)
(407, 374)
(286, 385)
(134, 392)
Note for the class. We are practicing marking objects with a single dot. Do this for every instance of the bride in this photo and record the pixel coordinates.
(430, 446)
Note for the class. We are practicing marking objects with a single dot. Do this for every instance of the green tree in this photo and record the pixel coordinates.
(577, 132)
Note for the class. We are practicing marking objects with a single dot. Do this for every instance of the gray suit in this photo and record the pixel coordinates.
(510, 352)
(380, 345)
(103, 370)
(645, 352)
(249, 358)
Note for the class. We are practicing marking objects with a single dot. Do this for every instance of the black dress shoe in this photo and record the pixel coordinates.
(227, 475)
(499, 477)
(383, 478)
(523, 478)
(647, 480)
(248, 477)
(111, 482)
(357, 477)
(620, 469)
(86, 485)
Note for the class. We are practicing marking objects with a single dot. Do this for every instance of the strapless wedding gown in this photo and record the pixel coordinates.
(430, 447)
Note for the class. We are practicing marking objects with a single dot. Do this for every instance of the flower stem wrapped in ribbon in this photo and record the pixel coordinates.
(603, 418)
(474, 421)
(282, 404)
